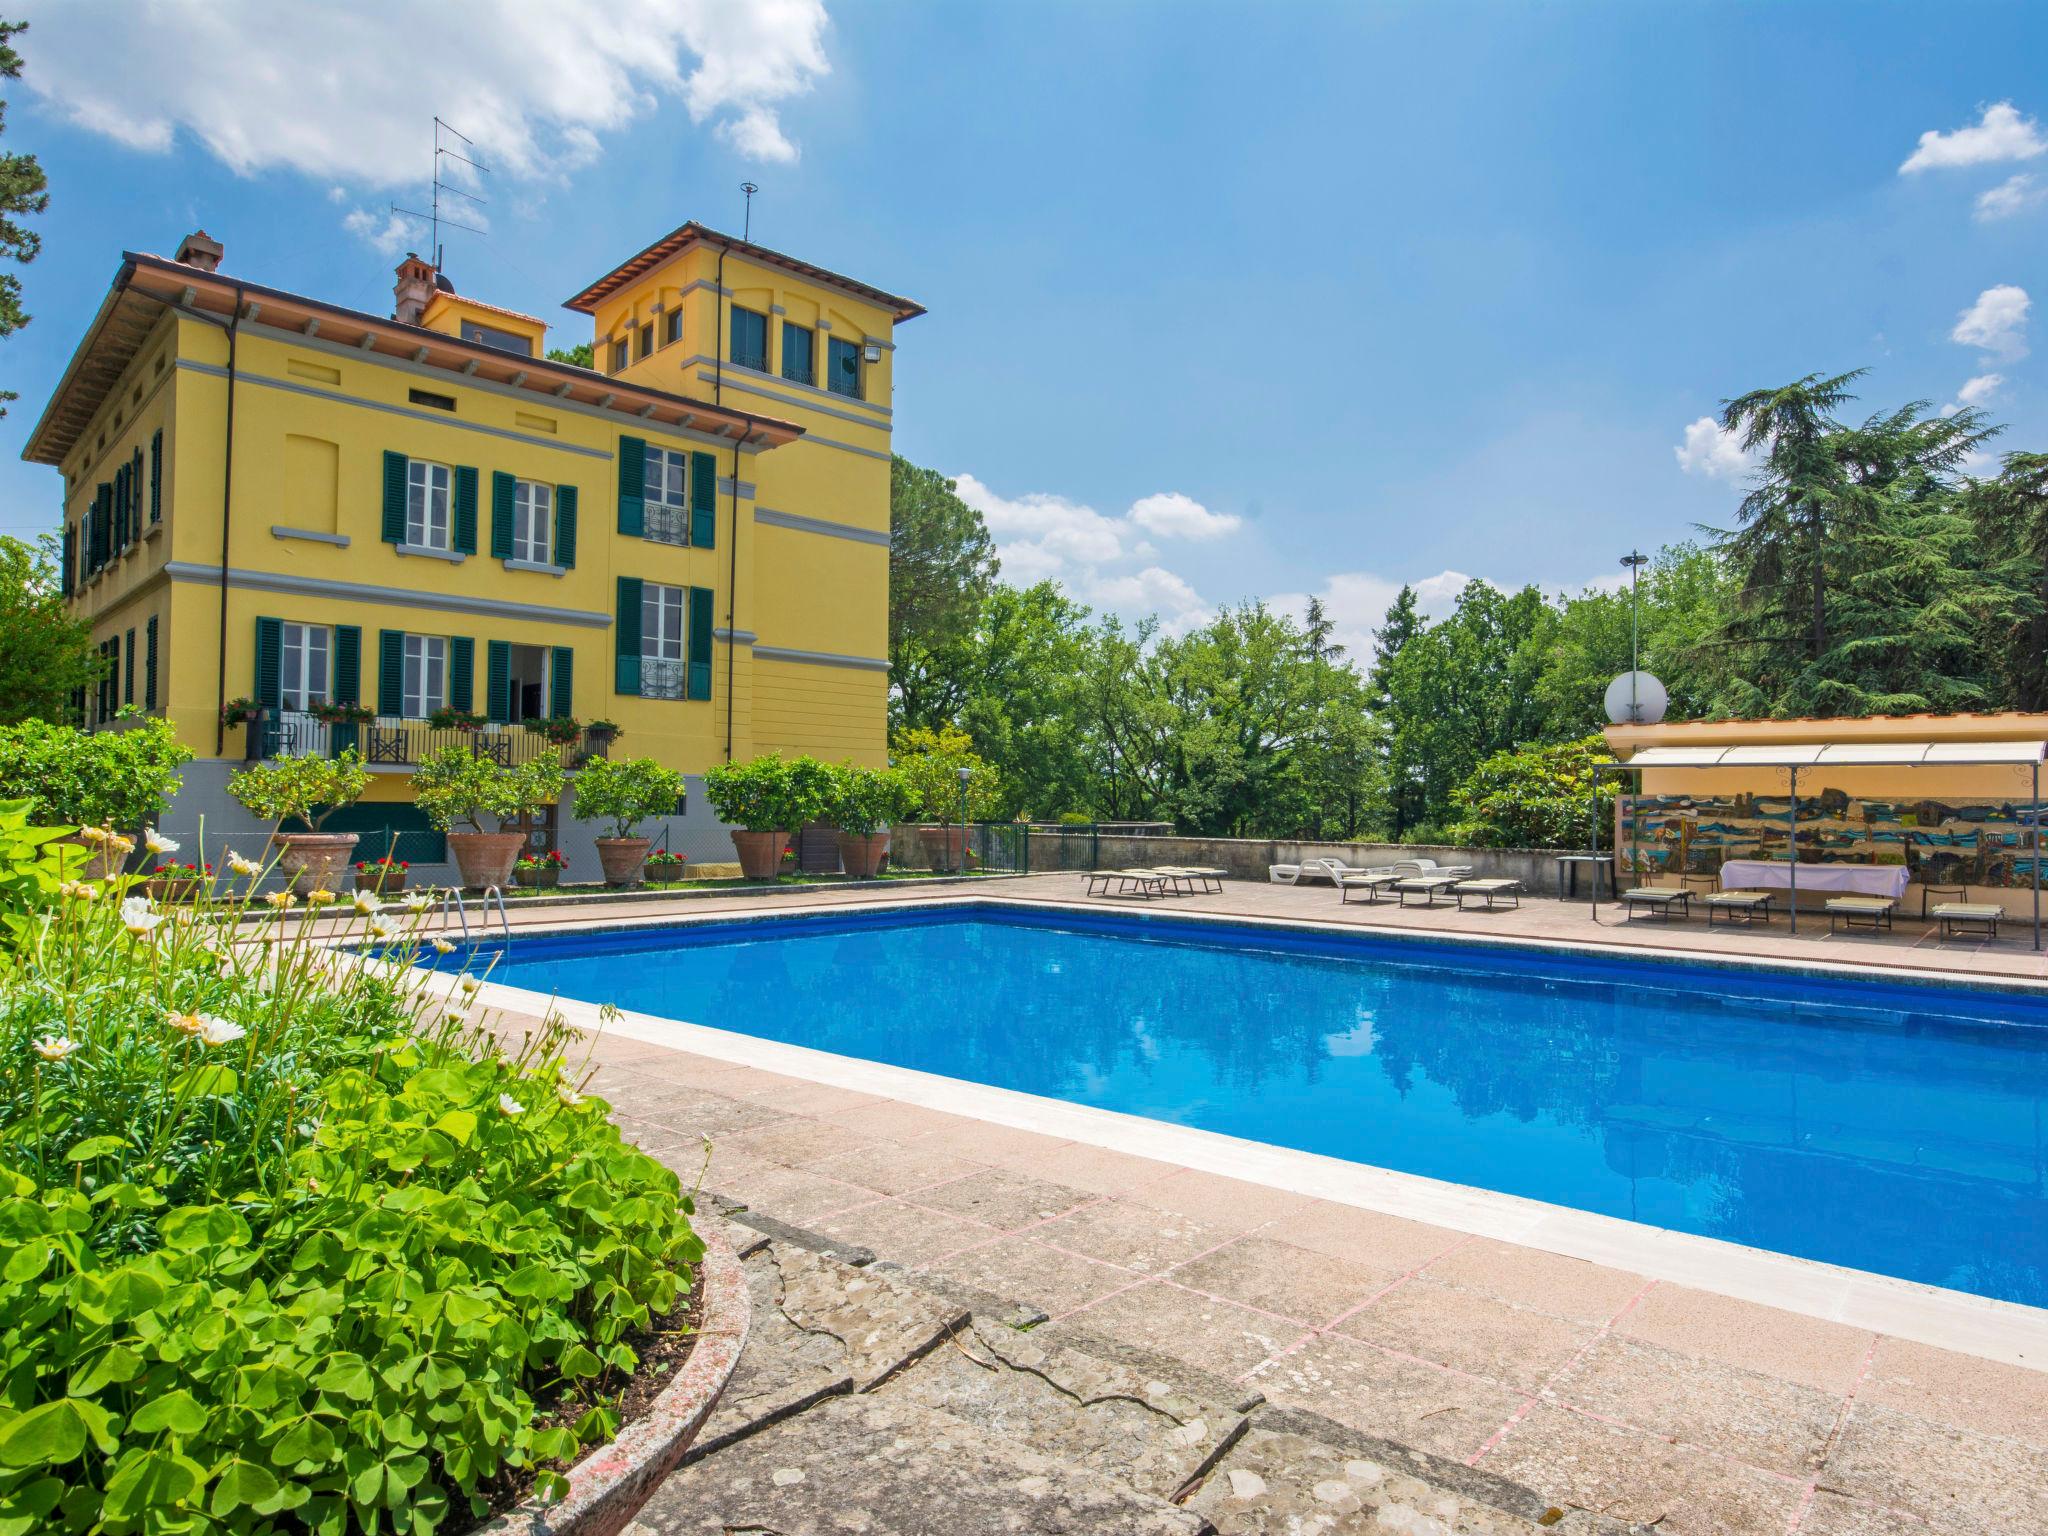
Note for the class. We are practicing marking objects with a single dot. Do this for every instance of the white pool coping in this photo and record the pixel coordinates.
(2009, 1332)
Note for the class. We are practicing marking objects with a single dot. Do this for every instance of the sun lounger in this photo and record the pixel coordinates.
(1427, 867)
(1489, 891)
(1748, 905)
(1871, 911)
(1425, 886)
(1371, 881)
(1659, 899)
(1954, 916)
(1128, 882)
(1194, 878)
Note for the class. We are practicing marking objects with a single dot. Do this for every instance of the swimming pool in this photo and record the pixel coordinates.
(1900, 1129)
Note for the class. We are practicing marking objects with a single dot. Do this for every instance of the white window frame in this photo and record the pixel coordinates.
(425, 687)
(429, 504)
(666, 487)
(533, 521)
(664, 616)
(305, 670)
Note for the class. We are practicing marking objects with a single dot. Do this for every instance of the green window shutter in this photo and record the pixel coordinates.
(502, 488)
(394, 497)
(633, 487)
(156, 476)
(700, 642)
(128, 677)
(703, 500)
(269, 665)
(149, 666)
(65, 585)
(626, 635)
(565, 526)
(562, 682)
(464, 530)
(498, 680)
(461, 673)
(348, 664)
(135, 494)
(391, 672)
(120, 509)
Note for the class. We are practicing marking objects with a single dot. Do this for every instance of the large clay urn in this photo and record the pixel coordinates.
(760, 853)
(313, 861)
(861, 853)
(485, 858)
(624, 859)
(945, 847)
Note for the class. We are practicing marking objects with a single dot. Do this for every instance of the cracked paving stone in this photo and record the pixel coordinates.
(1279, 1484)
(820, 1328)
(884, 1466)
(1084, 1410)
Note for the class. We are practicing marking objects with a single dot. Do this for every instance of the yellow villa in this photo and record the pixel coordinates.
(390, 532)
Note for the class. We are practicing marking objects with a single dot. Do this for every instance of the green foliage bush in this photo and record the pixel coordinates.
(626, 791)
(455, 787)
(931, 762)
(1534, 797)
(286, 1243)
(307, 789)
(116, 778)
(865, 801)
(769, 793)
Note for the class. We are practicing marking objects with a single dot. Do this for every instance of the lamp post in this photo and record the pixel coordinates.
(966, 773)
(1633, 562)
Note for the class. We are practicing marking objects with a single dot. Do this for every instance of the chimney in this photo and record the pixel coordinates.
(201, 250)
(415, 286)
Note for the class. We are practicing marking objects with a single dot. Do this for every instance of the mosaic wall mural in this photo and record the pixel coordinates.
(1948, 842)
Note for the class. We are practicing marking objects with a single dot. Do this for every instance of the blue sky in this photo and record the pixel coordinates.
(1226, 301)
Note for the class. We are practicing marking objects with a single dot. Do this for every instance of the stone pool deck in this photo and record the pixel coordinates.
(1559, 1384)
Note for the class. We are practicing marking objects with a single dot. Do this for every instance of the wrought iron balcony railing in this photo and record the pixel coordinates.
(388, 741)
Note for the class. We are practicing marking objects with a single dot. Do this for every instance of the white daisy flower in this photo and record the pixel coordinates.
(92, 834)
(469, 985)
(509, 1105)
(137, 918)
(242, 866)
(156, 842)
(381, 929)
(418, 901)
(279, 899)
(220, 1032)
(80, 890)
(55, 1047)
(570, 1098)
(365, 904)
(443, 947)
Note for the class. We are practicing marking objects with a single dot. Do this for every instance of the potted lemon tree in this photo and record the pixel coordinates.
(864, 804)
(944, 769)
(308, 790)
(763, 800)
(625, 791)
(456, 789)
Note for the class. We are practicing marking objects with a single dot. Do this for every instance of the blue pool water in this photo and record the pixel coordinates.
(1891, 1128)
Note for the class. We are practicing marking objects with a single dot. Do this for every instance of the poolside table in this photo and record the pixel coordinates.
(1568, 865)
(1835, 879)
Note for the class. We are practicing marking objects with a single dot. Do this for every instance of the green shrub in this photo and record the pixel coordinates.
(932, 761)
(1534, 797)
(769, 793)
(308, 789)
(626, 792)
(454, 787)
(1076, 819)
(286, 1243)
(865, 801)
(110, 778)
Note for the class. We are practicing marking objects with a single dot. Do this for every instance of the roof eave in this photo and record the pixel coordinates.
(29, 451)
(681, 238)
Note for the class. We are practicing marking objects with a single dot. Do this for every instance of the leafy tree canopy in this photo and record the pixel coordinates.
(45, 654)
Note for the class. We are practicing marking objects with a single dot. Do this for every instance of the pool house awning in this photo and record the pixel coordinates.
(1840, 754)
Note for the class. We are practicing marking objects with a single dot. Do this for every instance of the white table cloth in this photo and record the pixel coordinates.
(1863, 879)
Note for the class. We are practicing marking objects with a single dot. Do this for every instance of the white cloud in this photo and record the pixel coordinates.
(1174, 516)
(1996, 323)
(1356, 603)
(1041, 536)
(2016, 194)
(347, 92)
(1980, 390)
(388, 233)
(1712, 451)
(2000, 134)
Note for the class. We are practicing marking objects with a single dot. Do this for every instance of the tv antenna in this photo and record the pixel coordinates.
(435, 219)
(747, 219)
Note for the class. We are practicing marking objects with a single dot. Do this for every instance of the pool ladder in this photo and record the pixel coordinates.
(452, 901)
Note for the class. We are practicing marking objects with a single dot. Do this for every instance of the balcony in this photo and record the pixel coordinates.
(389, 743)
(666, 525)
(663, 678)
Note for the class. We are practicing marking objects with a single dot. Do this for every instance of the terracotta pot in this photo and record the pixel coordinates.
(862, 853)
(100, 860)
(538, 879)
(169, 888)
(485, 858)
(380, 882)
(624, 858)
(313, 861)
(760, 853)
(944, 847)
